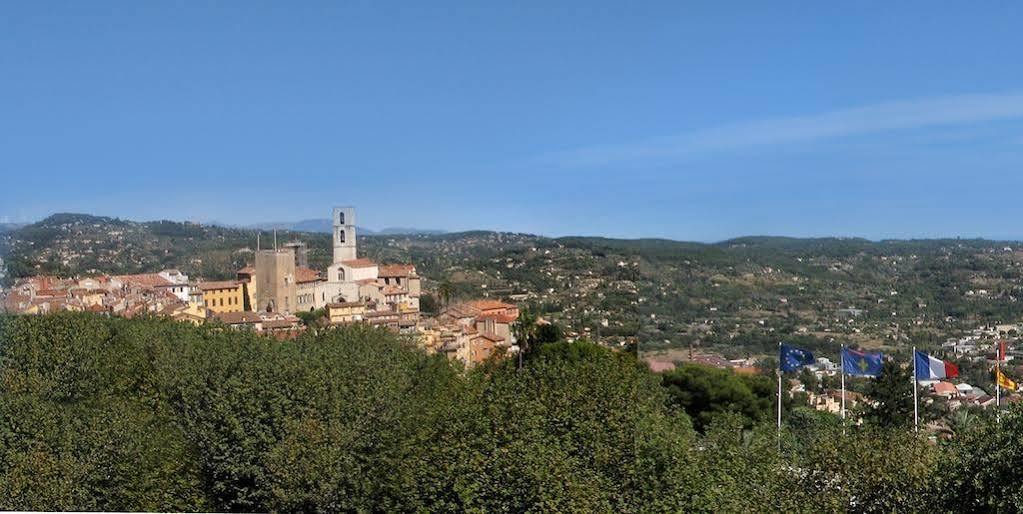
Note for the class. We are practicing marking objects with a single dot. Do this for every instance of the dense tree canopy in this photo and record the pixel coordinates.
(704, 393)
(113, 414)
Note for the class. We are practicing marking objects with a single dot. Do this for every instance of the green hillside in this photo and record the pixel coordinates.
(737, 296)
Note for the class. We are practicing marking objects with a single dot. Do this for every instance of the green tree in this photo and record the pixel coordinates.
(704, 393)
(445, 290)
(548, 333)
(81, 427)
(869, 470)
(891, 395)
(982, 468)
(809, 380)
(151, 414)
(525, 330)
(313, 318)
(564, 434)
(428, 304)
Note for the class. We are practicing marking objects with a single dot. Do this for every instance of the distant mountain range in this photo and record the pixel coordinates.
(324, 226)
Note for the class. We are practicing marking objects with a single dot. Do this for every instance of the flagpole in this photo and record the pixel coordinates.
(916, 401)
(779, 389)
(841, 359)
(998, 388)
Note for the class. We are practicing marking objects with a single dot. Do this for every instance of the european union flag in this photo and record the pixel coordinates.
(791, 358)
(855, 362)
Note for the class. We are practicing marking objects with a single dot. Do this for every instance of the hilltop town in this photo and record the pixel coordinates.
(280, 295)
(733, 298)
(724, 305)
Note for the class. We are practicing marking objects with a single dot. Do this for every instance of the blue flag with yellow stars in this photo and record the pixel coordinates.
(864, 364)
(791, 358)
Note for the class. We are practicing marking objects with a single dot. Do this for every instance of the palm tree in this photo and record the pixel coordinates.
(525, 332)
(962, 421)
(445, 290)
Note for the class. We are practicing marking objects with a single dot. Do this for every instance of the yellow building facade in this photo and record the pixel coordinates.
(223, 296)
(347, 312)
(191, 312)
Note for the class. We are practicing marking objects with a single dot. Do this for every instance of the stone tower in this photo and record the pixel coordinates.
(276, 290)
(301, 252)
(344, 234)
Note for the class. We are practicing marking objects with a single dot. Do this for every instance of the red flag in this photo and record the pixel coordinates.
(951, 370)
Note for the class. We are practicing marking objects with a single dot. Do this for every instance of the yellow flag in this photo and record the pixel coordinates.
(1004, 381)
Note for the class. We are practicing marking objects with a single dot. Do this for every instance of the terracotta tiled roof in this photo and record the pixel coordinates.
(500, 318)
(461, 310)
(144, 280)
(237, 318)
(304, 275)
(397, 270)
(487, 305)
(359, 263)
(218, 284)
(279, 323)
(42, 281)
(16, 302)
(247, 270)
(98, 308)
(170, 309)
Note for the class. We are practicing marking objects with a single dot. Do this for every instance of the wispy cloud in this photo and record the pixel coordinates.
(899, 115)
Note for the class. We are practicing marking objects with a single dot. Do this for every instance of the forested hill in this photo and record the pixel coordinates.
(738, 296)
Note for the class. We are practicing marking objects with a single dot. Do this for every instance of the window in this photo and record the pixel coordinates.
(340, 275)
(341, 236)
(341, 218)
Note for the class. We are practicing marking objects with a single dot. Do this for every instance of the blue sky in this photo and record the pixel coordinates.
(688, 120)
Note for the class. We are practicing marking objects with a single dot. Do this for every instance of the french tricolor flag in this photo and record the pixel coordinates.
(930, 368)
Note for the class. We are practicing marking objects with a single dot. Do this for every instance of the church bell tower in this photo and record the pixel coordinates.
(344, 234)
